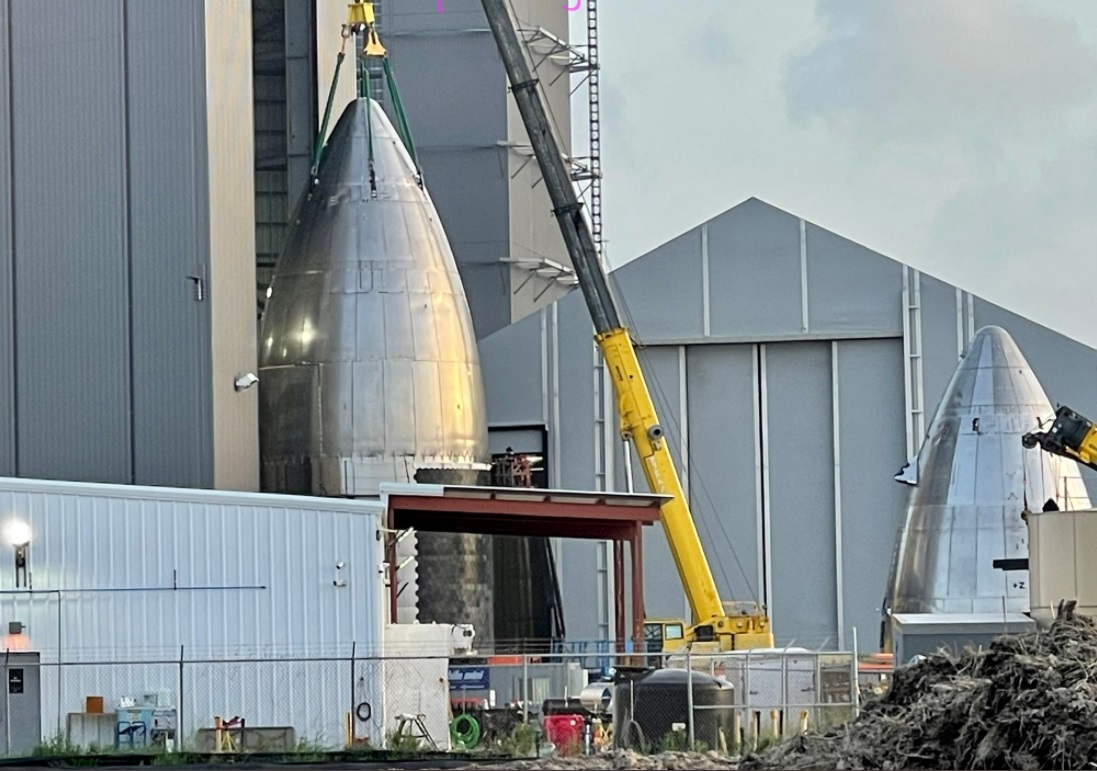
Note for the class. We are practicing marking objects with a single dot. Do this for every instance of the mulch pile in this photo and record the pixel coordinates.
(1027, 701)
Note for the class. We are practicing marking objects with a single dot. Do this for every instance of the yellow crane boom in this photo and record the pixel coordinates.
(714, 624)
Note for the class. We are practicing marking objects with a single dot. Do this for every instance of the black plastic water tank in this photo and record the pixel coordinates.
(646, 709)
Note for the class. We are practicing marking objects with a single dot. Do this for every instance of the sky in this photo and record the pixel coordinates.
(958, 136)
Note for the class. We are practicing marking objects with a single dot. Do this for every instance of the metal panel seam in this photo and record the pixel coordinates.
(804, 324)
(836, 427)
(706, 289)
(127, 229)
(959, 323)
(556, 444)
(203, 318)
(799, 337)
(544, 368)
(906, 363)
(919, 387)
(14, 439)
(762, 403)
(683, 422)
(683, 439)
(970, 318)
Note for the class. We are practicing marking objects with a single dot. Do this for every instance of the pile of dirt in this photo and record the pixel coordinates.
(1026, 701)
(624, 760)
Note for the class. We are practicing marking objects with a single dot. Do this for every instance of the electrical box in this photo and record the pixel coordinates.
(21, 705)
(1060, 562)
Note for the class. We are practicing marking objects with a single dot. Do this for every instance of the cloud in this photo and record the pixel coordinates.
(918, 68)
(1026, 237)
(615, 119)
(712, 45)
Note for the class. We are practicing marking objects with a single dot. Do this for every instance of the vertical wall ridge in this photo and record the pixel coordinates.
(202, 257)
(9, 426)
(127, 187)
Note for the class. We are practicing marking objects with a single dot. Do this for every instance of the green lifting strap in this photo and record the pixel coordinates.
(401, 117)
(319, 148)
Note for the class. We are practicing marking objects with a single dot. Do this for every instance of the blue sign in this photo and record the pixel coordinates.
(469, 679)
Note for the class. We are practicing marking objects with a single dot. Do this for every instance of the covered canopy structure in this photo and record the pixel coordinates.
(616, 517)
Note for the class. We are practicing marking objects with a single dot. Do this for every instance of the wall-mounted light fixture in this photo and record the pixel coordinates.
(19, 536)
(246, 381)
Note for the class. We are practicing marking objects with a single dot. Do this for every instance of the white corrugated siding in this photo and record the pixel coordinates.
(126, 576)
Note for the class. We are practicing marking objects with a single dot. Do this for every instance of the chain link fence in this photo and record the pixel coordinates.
(565, 703)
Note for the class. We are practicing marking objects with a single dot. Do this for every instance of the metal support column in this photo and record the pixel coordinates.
(636, 551)
(619, 594)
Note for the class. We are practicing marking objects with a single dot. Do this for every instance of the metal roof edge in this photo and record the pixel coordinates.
(195, 494)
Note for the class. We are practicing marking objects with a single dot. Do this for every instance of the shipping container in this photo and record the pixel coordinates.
(216, 603)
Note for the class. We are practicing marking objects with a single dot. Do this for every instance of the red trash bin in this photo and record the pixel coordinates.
(565, 732)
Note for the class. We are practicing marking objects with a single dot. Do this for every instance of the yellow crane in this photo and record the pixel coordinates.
(715, 625)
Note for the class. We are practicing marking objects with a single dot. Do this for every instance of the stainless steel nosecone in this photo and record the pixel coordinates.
(369, 369)
(971, 481)
(368, 360)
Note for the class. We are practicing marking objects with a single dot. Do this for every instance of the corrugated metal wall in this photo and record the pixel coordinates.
(105, 346)
(170, 329)
(72, 255)
(135, 574)
(782, 366)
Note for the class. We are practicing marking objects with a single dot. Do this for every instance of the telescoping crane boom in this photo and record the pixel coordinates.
(714, 625)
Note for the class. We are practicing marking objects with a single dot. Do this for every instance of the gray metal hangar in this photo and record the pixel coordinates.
(795, 372)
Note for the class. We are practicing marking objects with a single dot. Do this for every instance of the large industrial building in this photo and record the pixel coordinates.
(128, 272)
(795, 373)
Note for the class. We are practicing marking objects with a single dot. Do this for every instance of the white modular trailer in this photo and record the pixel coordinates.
(226, 604)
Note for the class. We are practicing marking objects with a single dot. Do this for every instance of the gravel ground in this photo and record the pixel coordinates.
(625, 759)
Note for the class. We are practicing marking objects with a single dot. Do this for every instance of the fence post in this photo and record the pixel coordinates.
(751, 731)
(179, 714)
(856, 694)
(689, 697)
(7, 703)
(353, 706)
(779, 729)
(525, 687)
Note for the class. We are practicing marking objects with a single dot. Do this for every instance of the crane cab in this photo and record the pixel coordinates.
(672, 636)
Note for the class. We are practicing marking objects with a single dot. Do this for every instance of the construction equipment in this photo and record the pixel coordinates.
(715, 626)
(1071, 435)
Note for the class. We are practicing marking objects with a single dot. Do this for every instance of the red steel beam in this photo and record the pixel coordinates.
(526, 509)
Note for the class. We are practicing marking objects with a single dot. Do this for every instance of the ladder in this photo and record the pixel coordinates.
(595, 125)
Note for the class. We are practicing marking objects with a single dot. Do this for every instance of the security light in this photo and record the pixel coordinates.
(18, 533)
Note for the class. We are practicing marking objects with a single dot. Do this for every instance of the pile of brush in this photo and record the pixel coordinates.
(1028, 701)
